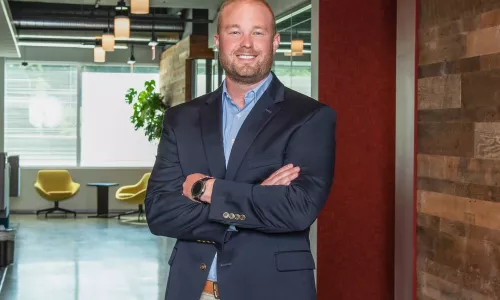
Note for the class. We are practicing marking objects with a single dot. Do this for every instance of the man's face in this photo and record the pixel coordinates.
(246, 41)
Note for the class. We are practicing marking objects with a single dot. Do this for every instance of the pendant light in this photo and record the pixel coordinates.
(121, 6)
(297, 47)
(99, 53)
(108, 42)
(154, 41)
(139, 7)
(122, 25)
(108, 38)
(131, 60)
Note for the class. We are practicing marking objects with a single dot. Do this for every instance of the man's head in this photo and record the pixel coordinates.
(247, 39)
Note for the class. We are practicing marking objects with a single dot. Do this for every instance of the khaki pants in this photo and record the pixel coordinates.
(207, 296)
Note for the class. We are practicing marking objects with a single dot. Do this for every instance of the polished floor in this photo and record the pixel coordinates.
(86, 259)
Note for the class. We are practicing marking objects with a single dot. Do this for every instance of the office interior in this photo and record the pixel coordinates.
(413, 210)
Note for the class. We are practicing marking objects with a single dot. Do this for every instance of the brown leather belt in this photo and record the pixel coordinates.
(211, 287)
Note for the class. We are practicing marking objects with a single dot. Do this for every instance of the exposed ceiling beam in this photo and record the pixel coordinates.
(83, 24)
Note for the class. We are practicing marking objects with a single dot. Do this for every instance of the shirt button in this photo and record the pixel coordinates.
(203, 267)
(232, 141)
(238, 115)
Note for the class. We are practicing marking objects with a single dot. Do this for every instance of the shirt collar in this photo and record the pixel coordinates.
(253, 94)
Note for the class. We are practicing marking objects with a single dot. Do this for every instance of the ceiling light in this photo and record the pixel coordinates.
(139, 7)
(297, 46)
(122, 26)
(131, 60)
(108, 42)
(99, 54)
(153, 42)
(121, 6)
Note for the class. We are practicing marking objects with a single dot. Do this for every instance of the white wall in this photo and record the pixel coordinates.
(86, 198)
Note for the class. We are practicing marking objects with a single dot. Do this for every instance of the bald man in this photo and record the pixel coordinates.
(242, 173)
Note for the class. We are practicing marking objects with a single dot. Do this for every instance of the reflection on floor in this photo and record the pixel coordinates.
(86, 259)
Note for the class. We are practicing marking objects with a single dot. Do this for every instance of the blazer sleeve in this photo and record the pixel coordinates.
(168, 212)
(279, 209)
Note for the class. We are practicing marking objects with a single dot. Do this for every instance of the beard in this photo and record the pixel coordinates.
(247, 73)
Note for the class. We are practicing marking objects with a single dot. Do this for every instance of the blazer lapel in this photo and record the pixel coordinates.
(211, 132)
(263, 111)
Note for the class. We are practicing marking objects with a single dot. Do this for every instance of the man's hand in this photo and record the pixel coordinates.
(282, 176)
(188, 185)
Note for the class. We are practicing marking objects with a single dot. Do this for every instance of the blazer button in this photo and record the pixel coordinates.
(236, 216)
(231, 216)
(225, 215)
(243, 217)
(203, 267)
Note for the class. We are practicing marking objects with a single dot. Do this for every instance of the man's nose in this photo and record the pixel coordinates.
(247, 41)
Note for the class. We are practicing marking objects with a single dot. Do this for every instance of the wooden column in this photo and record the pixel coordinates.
(176, 68)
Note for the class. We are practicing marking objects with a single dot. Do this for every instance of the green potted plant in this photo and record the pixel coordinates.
(148, 110)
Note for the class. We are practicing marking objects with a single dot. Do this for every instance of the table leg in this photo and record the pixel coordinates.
(102, 202)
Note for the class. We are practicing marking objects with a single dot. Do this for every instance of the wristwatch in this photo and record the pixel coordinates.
(199, 188)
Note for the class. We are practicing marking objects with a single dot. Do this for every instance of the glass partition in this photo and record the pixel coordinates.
(292, 62)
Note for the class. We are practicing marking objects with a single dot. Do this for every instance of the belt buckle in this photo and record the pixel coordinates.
(216, 290)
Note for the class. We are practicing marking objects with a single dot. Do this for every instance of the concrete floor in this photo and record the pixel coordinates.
(86, 259)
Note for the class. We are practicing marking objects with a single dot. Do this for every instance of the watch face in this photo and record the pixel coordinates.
(198, 185)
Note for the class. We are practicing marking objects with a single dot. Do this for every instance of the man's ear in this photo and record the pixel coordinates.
(276, 42)
(216, 39)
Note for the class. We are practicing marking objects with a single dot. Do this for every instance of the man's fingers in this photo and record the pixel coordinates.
(286, 180)
(287, 173)
(280, 170)
(282, 177)
(273, 177)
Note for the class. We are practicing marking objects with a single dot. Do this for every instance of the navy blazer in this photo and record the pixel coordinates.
(269, 257)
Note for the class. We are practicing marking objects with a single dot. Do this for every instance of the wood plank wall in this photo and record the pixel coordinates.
(175, 68)
(458, 159)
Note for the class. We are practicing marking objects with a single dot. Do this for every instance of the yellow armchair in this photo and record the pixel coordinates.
(134, 194)
(55, 186)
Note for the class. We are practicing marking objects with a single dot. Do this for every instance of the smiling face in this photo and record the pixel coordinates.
(246, 41)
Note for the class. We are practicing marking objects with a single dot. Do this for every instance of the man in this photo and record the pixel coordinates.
(242, 173)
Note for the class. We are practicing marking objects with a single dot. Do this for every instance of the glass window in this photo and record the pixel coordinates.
(108, 137)
(45, 126)
(200, 77)
(41, 113)
(294, 69)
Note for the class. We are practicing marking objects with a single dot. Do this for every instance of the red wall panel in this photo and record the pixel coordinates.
(357, 61)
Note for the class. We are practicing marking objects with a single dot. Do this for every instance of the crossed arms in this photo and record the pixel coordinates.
(285, 202)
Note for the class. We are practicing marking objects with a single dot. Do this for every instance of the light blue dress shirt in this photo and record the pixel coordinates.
(232, 119)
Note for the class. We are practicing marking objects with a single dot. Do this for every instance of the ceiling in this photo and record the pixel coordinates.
(208, 4)
(79, 23)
